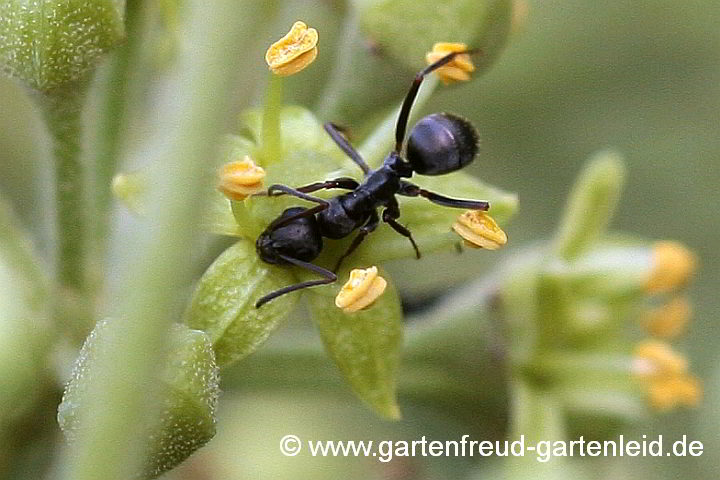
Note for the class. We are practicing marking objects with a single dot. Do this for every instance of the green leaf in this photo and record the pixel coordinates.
(50, 43)
(364, 345)
(223, 304)
(189, 392)
(481, 24)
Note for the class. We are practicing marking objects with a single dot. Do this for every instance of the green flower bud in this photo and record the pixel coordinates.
(47, 44)
(189, 389)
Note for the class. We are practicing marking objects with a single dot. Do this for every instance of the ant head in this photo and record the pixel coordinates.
(441, 143)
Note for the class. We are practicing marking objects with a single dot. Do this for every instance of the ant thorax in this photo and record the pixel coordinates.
(401, 167)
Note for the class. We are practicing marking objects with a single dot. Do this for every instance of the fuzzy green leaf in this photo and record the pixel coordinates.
(482, 24)
(49, 43)
(189, 390)
(223, 305)
(365, 346)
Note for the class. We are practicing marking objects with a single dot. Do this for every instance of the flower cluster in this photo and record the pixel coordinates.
(361, 322)
(662, 371)
(570, 307)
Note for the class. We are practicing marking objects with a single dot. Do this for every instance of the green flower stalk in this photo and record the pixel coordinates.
(53, 48)
(154, 259)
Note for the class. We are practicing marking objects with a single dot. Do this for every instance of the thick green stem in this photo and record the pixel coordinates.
(153, 260)
(62, 111)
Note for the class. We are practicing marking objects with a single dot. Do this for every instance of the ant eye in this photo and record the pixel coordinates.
(479, 230)
(361, 290)
(441, 143)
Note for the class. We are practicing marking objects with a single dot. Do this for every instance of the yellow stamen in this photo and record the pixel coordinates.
(361, 290)
(669, 320)
(479, 230)
(458, 70)
(673, 265)
(664, 374)
(295, 51)
(240, 179)
(669, 393)
(654, 358)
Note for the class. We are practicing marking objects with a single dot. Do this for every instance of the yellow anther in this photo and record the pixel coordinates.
(457, 70)
(669, 393)
(479, 230)
(672, 266)
(240, 179)
(361, 290)
(669, 320)
(665, 376)
(653, 358)
(294, 51)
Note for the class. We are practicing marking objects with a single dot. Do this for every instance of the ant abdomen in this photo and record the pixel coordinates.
(441, 143)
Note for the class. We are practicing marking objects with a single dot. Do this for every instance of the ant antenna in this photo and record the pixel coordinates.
(412, 93)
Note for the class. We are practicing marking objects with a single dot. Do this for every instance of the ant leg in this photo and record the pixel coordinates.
(330, 277)
(284, 189)
(342, 142)
(369, 227)
(279, 189)
(411, 190)
(346, 183)
(412, 93)
(390, 215)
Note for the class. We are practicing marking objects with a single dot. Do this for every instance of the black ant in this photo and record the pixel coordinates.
(439, 143)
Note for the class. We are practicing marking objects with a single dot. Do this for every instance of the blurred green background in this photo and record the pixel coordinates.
(642, 77)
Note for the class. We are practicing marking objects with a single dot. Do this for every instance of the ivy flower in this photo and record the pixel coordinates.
(364, 335)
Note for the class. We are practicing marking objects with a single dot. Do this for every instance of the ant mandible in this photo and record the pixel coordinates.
(439, 143)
